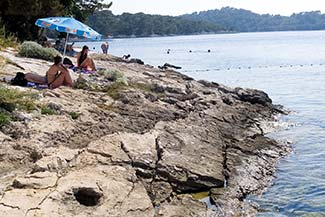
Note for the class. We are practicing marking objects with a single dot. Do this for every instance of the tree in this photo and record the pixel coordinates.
(82, 9)
(19, 16)
(141, 24)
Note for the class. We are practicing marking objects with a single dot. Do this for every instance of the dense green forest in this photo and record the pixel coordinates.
(213, 21)
(18, 16)
(141, 24)
(240, 20)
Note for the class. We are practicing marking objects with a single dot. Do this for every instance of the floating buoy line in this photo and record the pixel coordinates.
(256, 67)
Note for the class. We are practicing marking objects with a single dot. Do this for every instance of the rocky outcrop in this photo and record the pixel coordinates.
(139, 149)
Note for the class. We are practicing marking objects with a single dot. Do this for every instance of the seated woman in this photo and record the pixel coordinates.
(56, 76)
(85, 62)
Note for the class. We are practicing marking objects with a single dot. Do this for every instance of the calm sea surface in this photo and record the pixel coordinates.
(290, 67)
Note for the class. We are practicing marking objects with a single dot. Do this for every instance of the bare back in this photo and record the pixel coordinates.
(53, 71)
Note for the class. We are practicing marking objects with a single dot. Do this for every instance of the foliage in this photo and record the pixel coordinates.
(114, 89)
(34, 50)
(102, 81)
(11, 99)
(74, 115)
(4, 119)
(141, 24)
(113, 75)
(46, 110)
(241, 20)
(82, 9)
(19, 16)
(7, 39)
(224, 20)
(142, 86)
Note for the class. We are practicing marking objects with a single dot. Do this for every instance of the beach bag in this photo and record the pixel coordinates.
(19, 80)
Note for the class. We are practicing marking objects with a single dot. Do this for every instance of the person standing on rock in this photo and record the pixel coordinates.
(105, 47)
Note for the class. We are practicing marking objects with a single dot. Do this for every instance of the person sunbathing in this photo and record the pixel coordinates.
(56, 76)
(85, 62)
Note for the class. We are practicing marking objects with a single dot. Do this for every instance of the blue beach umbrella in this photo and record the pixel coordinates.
(68, 25)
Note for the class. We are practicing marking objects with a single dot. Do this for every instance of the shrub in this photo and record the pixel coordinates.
(142, 86)
(74, 115)
(4, 119)
(113, 75)
(7, 39)
(114, 89)
(11, 99)
(46, 110)
(33, 50)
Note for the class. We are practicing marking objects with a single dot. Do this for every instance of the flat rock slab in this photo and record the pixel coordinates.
(118, 151)
(92, 191)
(190, 158)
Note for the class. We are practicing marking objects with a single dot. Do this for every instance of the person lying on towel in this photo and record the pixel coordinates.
(56, 76)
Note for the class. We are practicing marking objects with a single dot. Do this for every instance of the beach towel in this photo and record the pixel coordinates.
(37, 86)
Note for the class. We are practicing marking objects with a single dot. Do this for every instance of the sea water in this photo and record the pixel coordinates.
(290, 67)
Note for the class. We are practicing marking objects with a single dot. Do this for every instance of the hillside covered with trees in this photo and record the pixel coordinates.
(213, 21)
(17, 18)
(141, 24)
(239, 20)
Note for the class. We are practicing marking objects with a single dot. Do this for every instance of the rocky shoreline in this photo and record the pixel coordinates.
(142, 150)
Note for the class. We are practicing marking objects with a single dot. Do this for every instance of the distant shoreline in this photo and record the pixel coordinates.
(163, 36)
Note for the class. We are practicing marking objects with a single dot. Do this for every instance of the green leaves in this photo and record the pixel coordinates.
(33, 50)
(82, 9)
(141, 24)
(11, 99)
(4, 119)
(19, 16)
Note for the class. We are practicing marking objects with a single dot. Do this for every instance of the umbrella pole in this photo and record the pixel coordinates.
(65, 45)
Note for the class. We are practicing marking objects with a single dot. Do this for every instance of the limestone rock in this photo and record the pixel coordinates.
(55, 159)
(97, 191)
(151, 141)
(109, 147)
(140, 148)
(4, 137)
(182, 206)
(253, 96)
(188, 162)
(40, 180)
